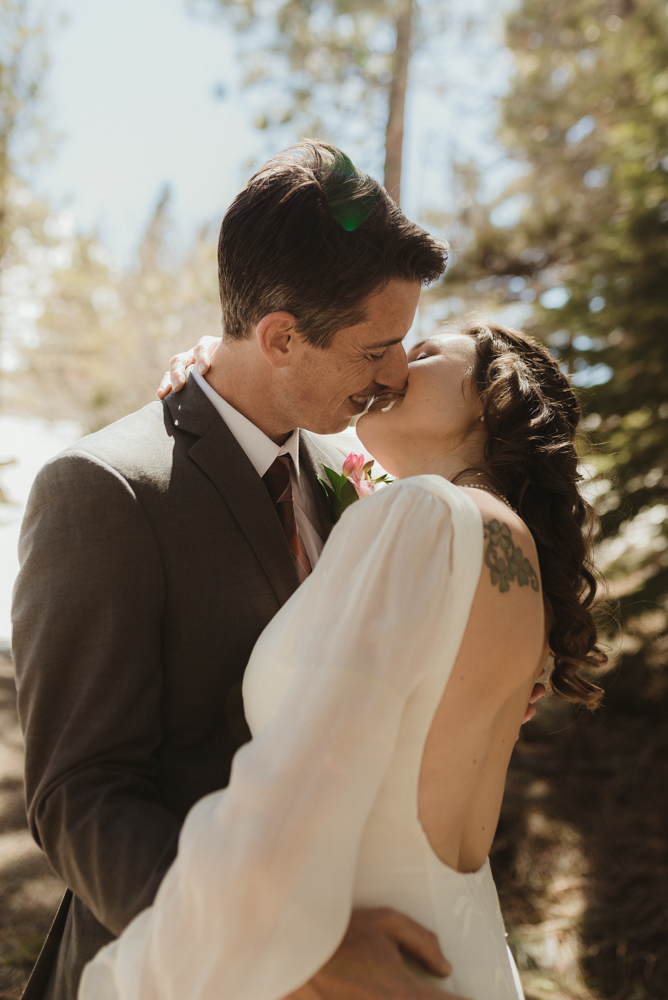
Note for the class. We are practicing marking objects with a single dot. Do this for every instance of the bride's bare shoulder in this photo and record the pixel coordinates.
(501, 524)
(507, 616)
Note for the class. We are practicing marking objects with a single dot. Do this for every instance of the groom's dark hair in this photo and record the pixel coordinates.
(312, 235)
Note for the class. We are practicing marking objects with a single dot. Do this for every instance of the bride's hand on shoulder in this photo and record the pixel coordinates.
(199, 355)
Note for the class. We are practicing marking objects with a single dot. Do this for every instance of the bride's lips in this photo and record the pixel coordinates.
(385, 401)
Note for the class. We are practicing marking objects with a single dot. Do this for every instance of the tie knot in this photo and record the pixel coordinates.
(277, 478)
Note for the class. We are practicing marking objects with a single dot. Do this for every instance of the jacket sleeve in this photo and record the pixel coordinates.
(262, 886)
(87, 647)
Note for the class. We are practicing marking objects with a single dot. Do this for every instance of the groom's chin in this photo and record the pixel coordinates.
(331, 426)
(327, 423)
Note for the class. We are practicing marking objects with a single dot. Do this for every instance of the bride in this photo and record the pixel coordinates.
(385, 697)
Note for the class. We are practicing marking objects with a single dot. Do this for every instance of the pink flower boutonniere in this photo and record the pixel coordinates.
(353, 483)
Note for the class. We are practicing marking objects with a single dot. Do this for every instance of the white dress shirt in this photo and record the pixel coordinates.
(262, 453)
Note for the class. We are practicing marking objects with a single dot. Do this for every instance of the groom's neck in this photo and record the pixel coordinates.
(242, 377)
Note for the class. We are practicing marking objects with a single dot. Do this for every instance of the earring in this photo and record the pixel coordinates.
(482, 419)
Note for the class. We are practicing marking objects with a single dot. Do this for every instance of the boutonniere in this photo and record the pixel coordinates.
(353, 483)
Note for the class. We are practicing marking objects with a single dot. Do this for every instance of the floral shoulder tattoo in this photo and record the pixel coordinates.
(505, 561)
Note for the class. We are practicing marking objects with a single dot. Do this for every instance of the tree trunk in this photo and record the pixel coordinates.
(394, 133)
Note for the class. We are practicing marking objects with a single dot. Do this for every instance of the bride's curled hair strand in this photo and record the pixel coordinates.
(531, 414)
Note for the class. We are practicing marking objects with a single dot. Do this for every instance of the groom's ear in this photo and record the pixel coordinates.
(275, 335)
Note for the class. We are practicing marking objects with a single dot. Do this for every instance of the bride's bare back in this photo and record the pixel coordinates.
(319, 816)
(471, 738)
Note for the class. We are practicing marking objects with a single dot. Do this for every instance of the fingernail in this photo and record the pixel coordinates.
(175, 384)
(201, 368)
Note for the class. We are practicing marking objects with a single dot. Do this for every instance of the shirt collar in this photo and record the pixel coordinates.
(259, 448)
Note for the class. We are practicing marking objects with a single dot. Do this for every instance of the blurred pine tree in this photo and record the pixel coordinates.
(24, 134)
(101, 336)
(336, 68)
(587, 119)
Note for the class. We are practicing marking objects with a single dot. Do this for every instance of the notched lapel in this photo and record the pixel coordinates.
(190, 410)
(220, 457)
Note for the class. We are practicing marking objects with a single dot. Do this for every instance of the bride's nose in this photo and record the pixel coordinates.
(393, 372)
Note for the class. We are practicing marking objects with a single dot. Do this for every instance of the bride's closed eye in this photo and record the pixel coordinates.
(421, 352)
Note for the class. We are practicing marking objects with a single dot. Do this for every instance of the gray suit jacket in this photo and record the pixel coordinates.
(151, 560)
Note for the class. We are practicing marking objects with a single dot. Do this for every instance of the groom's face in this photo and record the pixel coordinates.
(330, 386)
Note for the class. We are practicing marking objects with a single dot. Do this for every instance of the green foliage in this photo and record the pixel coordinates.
(587, 120)
(340, 493)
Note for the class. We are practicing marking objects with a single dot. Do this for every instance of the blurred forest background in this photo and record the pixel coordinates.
(572, 246)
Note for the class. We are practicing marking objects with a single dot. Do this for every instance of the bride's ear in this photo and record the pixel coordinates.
(275, 335)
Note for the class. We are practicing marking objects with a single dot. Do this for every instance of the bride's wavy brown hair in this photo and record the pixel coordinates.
(532, 414)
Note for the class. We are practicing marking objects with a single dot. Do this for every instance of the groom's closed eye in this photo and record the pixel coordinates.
(384, 344)
(382, 347)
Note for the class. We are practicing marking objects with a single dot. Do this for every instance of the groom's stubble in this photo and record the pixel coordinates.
(279, 380)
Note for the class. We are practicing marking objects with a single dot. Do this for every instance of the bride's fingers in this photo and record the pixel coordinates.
(416, 940)
(177, 368)
(203, 351)
(539, 691)
(200, 355)
(528, 715)
(165, 386)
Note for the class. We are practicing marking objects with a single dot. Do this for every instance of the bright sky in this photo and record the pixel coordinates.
(132, 89)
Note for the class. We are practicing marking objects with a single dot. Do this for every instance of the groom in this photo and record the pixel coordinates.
(155, 551)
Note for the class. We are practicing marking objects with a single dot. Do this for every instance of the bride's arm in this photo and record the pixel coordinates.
(260, 895)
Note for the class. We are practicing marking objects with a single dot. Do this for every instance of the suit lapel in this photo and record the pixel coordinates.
(222, 459)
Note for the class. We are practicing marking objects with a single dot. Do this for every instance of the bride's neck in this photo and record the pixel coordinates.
(448, 464)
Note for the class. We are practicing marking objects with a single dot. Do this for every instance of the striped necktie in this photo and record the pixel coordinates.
(279, 486)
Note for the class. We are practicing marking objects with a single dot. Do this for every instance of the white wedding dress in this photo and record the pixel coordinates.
(320, 815)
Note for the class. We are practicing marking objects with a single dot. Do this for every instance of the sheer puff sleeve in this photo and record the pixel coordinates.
(260, 894)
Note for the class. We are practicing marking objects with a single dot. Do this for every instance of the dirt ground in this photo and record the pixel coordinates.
(580, 857)
(581, 853)
(30, 891)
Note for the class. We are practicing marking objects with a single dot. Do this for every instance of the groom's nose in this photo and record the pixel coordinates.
(393, 372)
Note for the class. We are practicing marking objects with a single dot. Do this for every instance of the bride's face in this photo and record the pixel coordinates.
(438, 413)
